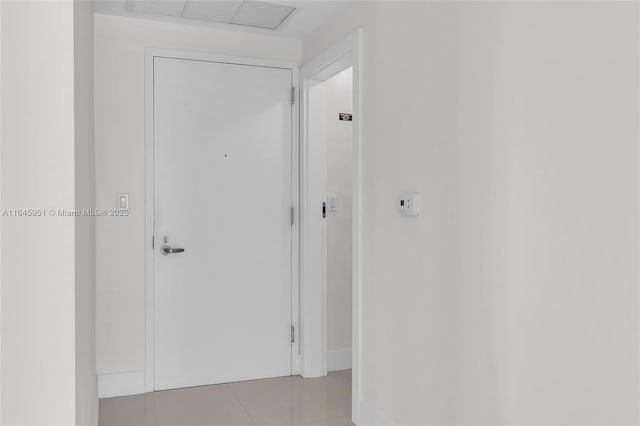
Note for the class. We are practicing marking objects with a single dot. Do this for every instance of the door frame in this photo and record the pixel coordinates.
(150, 55)
(313, 163)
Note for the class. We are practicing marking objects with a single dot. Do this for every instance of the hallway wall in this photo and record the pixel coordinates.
(48, 374)
(120, 166)
(513, 297)
(85, 232)
(339, 98)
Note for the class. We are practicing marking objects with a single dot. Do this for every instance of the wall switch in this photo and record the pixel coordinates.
(409, 204)
(332, 202)
(123, 200)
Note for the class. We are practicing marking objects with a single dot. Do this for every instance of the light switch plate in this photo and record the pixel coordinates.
(332, 202)
(123, 201)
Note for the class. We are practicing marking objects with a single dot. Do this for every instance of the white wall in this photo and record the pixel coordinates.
(1, 207)
(0, 220)
(339, 98)
(119, 111)
(39, 130)
(85, 262)
(512, 298)
(571, 267)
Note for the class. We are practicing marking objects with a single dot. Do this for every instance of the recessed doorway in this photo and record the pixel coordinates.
(330, 289)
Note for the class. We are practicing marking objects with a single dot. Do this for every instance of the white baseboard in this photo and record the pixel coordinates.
(120, 384)
(369, 416)
(339, 360)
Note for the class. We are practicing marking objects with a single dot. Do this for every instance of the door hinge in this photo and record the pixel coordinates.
(293, 95)
(153, 242)
(293, 334)
(324, 210)
(291, 215)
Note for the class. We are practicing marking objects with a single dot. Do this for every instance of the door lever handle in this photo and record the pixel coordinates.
(166, 250)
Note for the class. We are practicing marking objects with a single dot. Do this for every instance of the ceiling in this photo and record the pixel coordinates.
(295, 19)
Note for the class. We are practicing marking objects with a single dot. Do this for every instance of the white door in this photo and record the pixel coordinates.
(222, 192)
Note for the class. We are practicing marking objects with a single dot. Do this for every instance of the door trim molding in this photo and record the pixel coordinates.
(150, 54)
(313, 301)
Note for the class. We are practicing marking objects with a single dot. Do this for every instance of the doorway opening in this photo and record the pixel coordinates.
(339, 137)
(330, 267)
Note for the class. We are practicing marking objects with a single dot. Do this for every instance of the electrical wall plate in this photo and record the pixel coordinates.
(123, 201)
(332, 202)
(409, 204)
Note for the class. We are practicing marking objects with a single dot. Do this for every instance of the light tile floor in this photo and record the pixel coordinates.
(283, 401)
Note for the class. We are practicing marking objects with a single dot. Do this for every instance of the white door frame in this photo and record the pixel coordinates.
(150, 54)
(313, 301)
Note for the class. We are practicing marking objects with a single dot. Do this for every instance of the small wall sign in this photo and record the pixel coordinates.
(343, 116)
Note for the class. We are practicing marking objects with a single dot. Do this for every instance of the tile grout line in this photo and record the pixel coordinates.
(241, 404)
